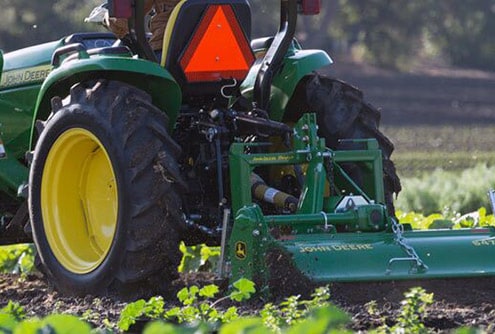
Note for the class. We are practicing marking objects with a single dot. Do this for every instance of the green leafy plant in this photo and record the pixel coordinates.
(151, 309)
(448, 193)
(198, 305)
(413, 309)
(13, 320)
(17, 259)
(293, 315)
(15, 310)
(198, 258)
(292, 310)
(476, 218)
(412, 312)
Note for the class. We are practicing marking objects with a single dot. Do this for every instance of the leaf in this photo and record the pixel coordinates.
(230, 315)
(154, 307)
(16, 259)
(244, 326)
(7, 323)
(14, 309)
(160, 327)
(172, 313)
(187, 296)
(190, 314)
(212, 314)
(29, 326)
(65, 324)
(322, 321)
(130, 313)
(183, 294)
(209, 291)
(467, 330)
(244, 289)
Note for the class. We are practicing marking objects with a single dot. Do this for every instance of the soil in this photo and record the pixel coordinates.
(429, 96)
(457, 303)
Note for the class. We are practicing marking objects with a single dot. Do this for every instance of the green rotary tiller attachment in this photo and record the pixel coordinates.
(340, 229)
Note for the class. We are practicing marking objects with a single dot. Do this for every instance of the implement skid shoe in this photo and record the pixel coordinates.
(340, 238)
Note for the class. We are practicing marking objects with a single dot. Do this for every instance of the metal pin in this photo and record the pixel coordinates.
(491, 195)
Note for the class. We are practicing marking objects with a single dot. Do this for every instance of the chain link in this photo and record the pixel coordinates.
(328, 163)
(418, 264)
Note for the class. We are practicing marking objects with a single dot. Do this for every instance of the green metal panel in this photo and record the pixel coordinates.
(323, 255)
(12, 174)
(297, 64)
(143, 74)
(248, 245)
(23, 72)
(31, 57)
(377, 256)
(16, 115)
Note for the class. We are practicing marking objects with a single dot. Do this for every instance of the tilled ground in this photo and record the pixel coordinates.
(457, 302)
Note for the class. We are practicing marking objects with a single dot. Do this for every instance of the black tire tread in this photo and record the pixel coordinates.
(151, 252)
(342, 113)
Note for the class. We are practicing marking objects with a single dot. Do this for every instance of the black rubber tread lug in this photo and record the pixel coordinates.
(343, 114)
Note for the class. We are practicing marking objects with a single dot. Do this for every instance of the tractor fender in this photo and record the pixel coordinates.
(296, 65)
(145, 75)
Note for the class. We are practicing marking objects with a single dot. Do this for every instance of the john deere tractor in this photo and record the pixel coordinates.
(109, 159)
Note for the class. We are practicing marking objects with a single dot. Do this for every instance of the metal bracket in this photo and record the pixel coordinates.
(491, 195)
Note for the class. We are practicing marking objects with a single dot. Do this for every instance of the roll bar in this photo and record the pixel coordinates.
(276, 53)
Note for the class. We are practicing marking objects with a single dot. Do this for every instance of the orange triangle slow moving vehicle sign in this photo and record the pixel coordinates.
(219, 49)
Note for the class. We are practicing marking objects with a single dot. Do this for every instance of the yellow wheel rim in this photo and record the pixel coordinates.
(79, 201)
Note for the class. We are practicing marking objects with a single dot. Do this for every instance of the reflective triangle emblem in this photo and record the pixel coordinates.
(219, 48)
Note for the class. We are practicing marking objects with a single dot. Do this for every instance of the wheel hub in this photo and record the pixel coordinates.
(79, 200)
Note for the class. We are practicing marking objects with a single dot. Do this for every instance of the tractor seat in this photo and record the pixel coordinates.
(206, 45)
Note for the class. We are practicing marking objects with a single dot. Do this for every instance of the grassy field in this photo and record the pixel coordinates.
(422, 149)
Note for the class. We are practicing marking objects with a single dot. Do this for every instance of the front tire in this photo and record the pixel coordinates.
(103, 195)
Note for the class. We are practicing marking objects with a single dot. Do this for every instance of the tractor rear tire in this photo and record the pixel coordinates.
(103, 195)
(342, 113)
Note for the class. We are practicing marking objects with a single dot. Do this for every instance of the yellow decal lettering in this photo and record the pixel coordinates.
(25, 76)
(336, 248)
(484, 242)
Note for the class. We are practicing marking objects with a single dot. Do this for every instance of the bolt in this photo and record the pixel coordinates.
(256, 233)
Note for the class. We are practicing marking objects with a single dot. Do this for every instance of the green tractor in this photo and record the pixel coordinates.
(109, 159)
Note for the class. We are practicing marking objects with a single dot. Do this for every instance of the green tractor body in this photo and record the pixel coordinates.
(23, 73)
(109, 159)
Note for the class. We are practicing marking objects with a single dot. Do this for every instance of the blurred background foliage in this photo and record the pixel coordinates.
(393, 34)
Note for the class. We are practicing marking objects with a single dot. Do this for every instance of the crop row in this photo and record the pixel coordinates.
(421, 149)
(200, 310)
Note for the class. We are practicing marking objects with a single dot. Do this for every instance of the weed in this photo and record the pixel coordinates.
(198, 306)
(412, 312)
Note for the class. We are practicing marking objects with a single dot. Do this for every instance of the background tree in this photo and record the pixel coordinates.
(26, 23)
(395, 34)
